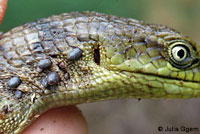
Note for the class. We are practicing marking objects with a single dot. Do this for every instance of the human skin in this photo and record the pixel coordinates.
(3, 5)
(63, 120)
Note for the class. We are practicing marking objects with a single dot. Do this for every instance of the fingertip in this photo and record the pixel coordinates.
(3, 6)
(64, 120)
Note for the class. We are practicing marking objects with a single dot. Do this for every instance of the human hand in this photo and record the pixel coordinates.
(3, 5)
(64, 120)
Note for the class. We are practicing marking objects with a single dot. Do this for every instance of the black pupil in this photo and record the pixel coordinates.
(181, 53)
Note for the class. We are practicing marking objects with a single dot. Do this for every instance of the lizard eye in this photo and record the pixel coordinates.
(181, 54)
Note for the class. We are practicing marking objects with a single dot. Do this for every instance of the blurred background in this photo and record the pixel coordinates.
(126, 116)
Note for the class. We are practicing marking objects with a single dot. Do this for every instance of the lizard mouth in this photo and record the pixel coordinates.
(162, 82)
(168, 77)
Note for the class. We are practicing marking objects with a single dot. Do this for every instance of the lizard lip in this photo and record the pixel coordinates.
(163, 77)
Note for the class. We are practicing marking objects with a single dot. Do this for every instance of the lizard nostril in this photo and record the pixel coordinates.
(97, 56)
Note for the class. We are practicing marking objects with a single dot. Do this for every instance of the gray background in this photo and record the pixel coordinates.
(126, 116)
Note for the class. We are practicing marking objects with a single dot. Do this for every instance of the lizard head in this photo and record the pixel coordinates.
(159, 61)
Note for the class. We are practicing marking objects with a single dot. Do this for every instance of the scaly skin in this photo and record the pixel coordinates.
(121, 58)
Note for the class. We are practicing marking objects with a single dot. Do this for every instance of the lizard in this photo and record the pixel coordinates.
(75, 58)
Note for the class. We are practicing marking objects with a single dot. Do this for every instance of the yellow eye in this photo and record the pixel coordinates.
(179, 53)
